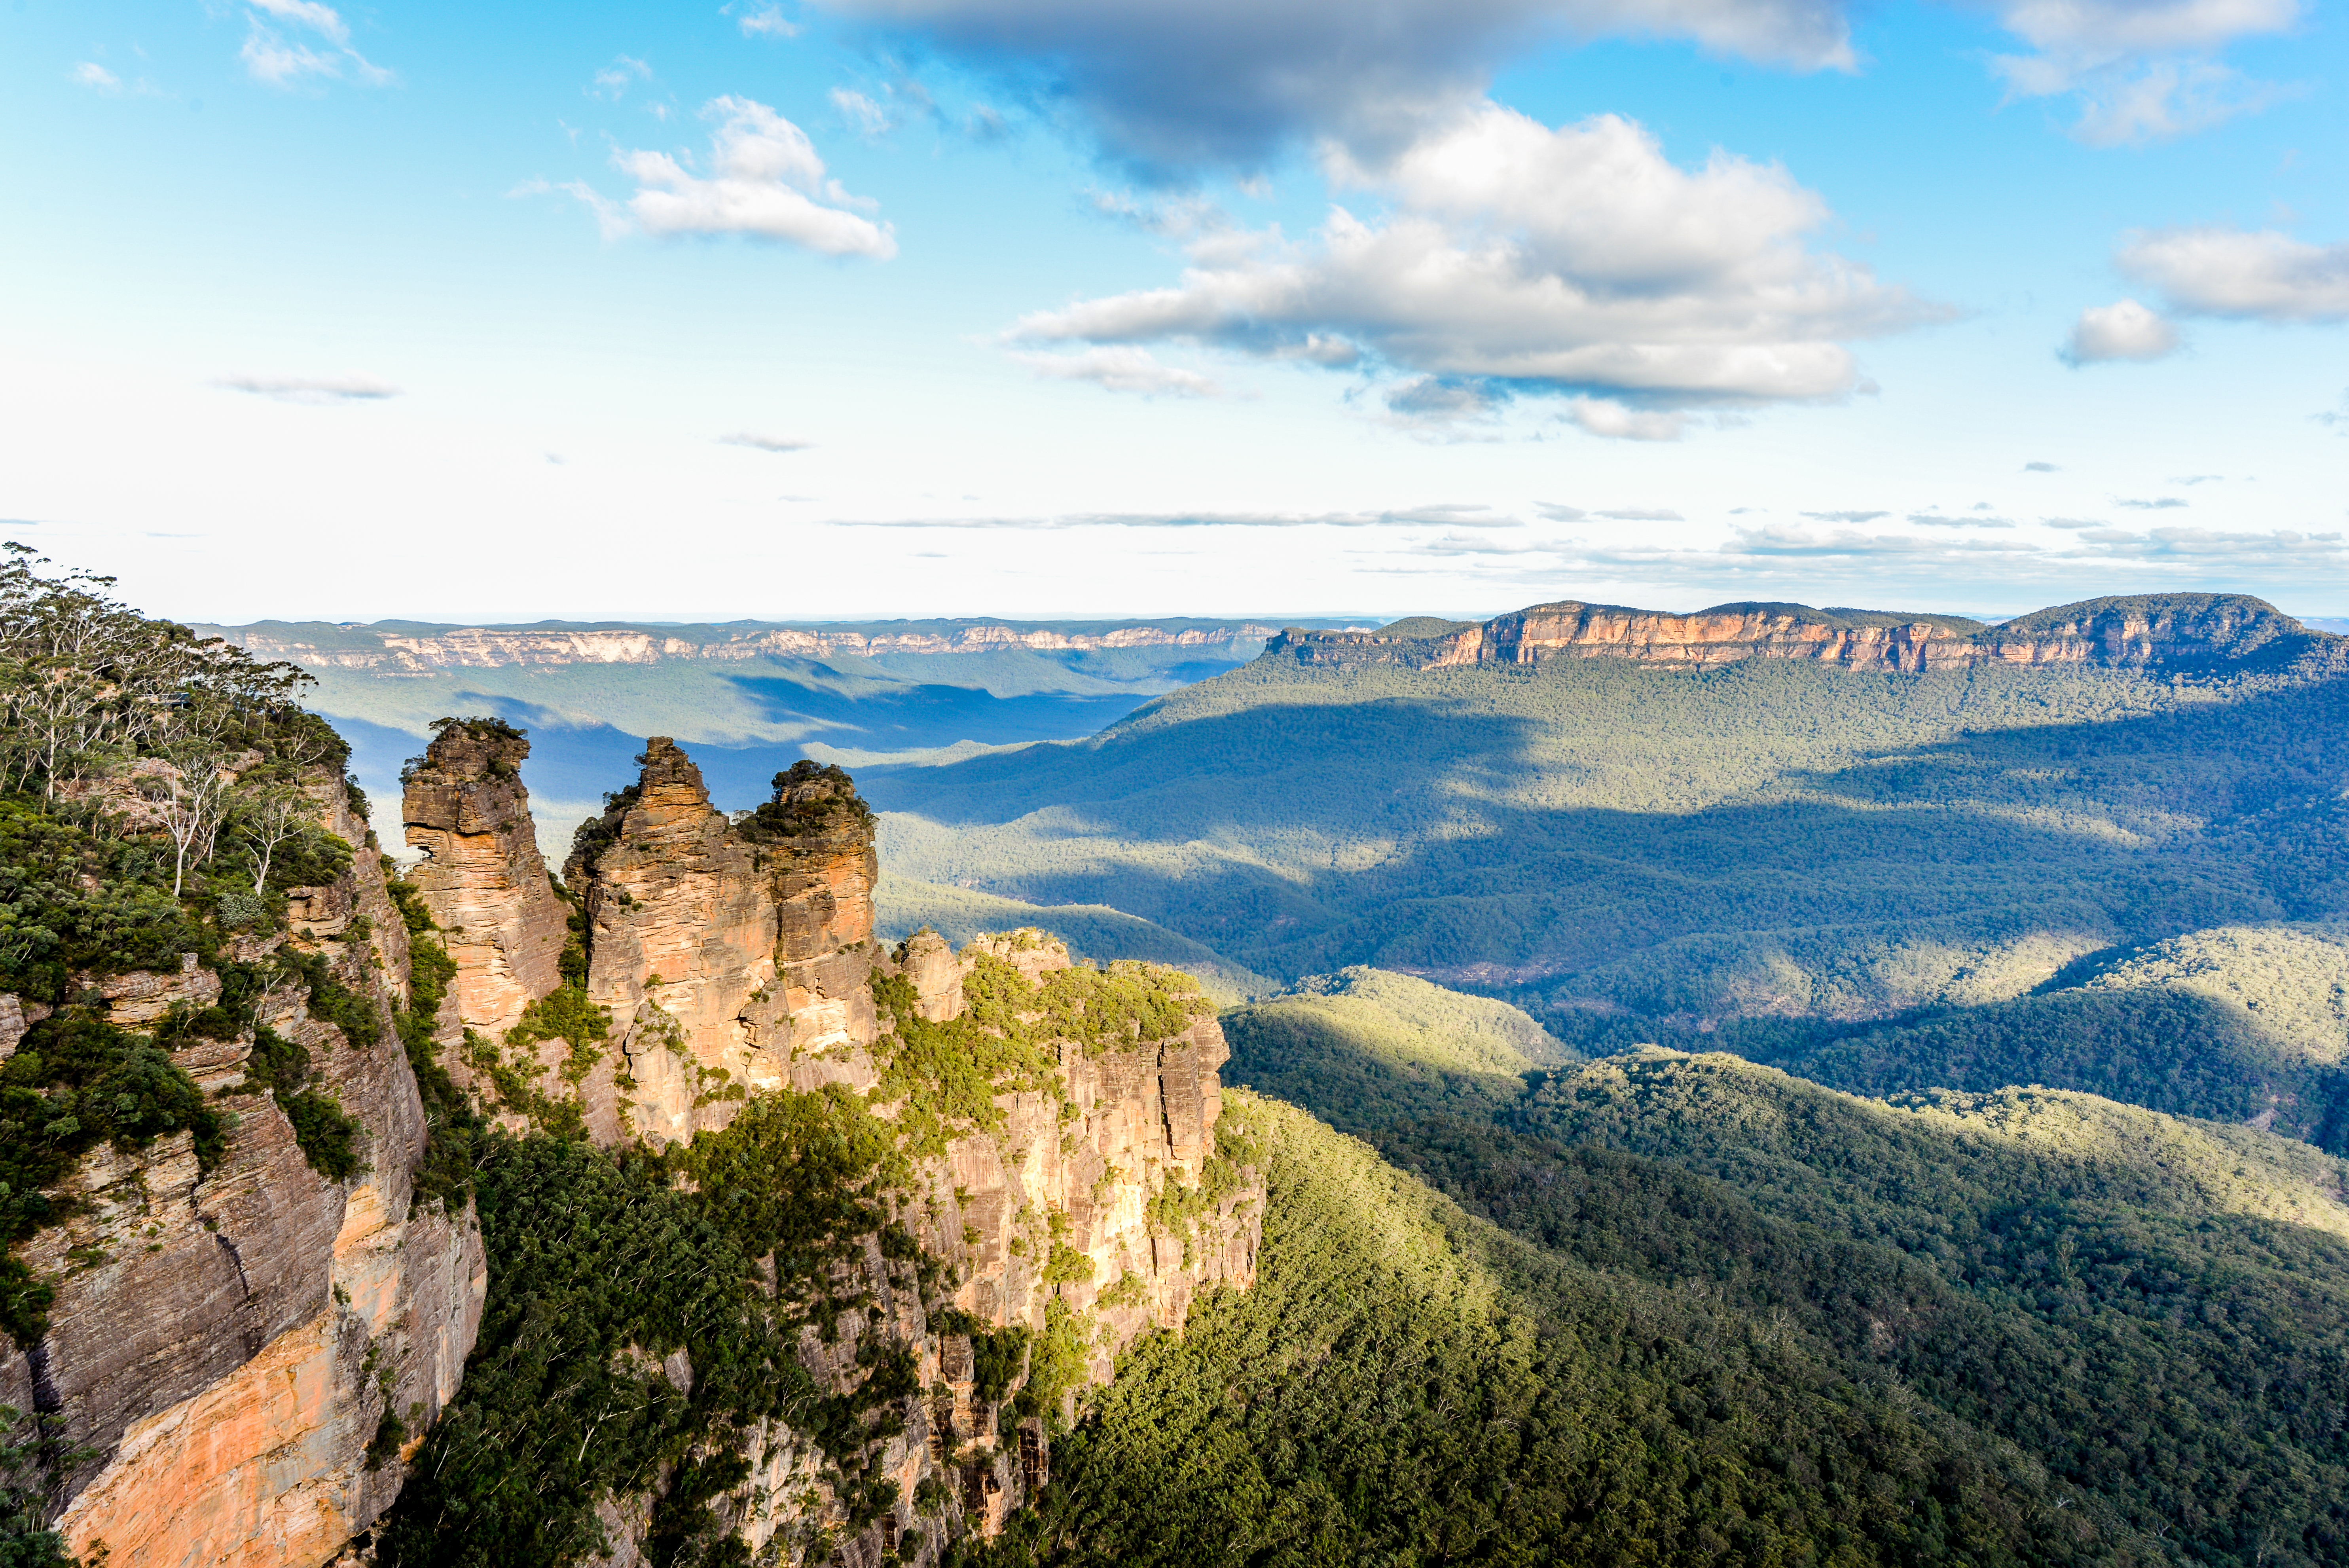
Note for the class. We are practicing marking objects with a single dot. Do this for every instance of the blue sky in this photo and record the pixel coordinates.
(807, 308)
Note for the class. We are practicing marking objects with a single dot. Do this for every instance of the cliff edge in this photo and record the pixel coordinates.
(2179, 631)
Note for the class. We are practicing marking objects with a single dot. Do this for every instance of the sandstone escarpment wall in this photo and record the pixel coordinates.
(225, 1342)
(2124, 633)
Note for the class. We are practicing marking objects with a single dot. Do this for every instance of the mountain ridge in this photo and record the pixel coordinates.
(2124, 632)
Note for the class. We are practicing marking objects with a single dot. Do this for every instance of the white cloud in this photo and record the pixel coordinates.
(1849, 517)
(270, 57)
(863, 116)
(1406, 517)
(1121, 369)
(767, 22)
(2122, 330)
(90, 74)
(1609, 417)
(1932, 520)
(1575, 260)
(2277, 546)
(1178, 84)
(616, 79)
(1778, 541)
(2141, 69)
(312, 389)
(2256, 277)
(2040, 467)
(319, 19)
(758, 442)
(767, 182)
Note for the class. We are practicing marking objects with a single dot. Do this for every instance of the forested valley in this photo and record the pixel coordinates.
(1763, 1114)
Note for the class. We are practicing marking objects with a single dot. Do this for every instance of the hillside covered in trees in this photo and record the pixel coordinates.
(2145, 1313)
(1961, 877)
(2005, 1229)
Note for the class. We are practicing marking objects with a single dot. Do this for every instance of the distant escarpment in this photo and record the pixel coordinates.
(1005, 1162)
(2176, 630)
(399, 646)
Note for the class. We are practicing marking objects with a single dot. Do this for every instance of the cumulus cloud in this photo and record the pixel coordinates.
(2141, 70)
(326, 53)
(766, 180)
(1614, 418)
(1852, 517)
(2122, 330)
(2164, 503)
(1121, 369)
(313, 389)
(1513, 258)
(2036, 467)
(2248, 276)
(1934, 520)
(758, 442)
(1174, 85)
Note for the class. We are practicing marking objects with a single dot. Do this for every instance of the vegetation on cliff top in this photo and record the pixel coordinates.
(943, 1077)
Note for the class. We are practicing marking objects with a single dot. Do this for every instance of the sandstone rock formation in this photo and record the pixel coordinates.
(2182, 629)
(723, 957)
(482, 876)
(225, 1343)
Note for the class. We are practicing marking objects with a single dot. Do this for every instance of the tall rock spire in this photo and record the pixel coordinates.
(483, 877)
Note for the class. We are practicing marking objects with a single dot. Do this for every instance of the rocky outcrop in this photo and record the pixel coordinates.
(481, 875)
(2172, 629)
(725, 956)
(225, 1342)
(681, 956)
(1097, 1211)
(2185, 629)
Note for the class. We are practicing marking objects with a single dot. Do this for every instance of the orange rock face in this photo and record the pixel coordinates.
(2121, 633)
(681, 952)
(483, 877)
(224, 1342)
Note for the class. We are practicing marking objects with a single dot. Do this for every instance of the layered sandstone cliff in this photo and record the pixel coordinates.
(225, 1343)
(2185, 629)
(720, 958)
(460, 647)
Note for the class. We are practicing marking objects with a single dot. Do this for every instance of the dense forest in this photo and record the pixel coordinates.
(1596, 834)
(1822, 1189)
(2151, 1308)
